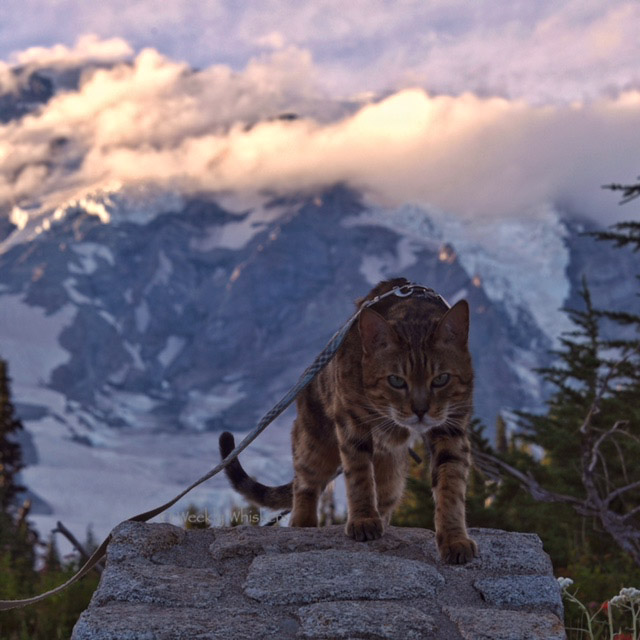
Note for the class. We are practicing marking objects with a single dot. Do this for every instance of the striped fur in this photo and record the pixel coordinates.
(272, 497)
(403, 372)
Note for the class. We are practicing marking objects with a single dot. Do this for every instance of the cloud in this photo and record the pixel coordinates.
(575, 53)
(156, 120)
(543, 51)
(88, 48)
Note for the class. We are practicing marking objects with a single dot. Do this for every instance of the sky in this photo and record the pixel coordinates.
(489, 108)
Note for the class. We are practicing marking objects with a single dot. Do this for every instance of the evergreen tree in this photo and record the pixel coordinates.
(10, 453)
(90, 543)
(502, 445)
(52, 562)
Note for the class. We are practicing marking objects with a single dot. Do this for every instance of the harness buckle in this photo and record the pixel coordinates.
(412, 289)
(405, 291)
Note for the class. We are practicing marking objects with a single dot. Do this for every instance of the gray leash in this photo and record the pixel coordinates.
(308, 375)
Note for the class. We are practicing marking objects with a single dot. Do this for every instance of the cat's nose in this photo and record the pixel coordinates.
(420, 410)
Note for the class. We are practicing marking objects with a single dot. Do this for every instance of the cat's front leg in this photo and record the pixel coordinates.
(450, 462)
(356, 454)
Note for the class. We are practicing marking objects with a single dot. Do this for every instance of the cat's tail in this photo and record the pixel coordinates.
(272, 497)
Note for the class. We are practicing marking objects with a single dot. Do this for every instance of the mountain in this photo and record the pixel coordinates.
(199, 318)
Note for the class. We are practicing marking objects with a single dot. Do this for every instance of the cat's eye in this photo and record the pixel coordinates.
(440, 380)
(397, 382)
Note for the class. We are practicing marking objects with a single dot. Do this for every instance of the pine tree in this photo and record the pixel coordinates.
(52, 561)
(502, 445)
(592, 422)
(10, 453)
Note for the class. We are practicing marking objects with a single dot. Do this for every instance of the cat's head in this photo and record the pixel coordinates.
(418, 374)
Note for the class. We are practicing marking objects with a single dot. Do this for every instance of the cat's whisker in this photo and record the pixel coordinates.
(375, 429)
(383, 428)
(380, 425)
(368, 420)
(460, 407)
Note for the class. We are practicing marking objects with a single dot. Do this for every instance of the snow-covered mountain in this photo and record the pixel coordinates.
(170, 314)
(139, 320)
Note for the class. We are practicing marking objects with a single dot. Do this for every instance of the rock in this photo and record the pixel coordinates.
(126, 621)
(164, 583)
(495, 624)
(509, 552)
(333, 620)
(522, 592)
(310, 576)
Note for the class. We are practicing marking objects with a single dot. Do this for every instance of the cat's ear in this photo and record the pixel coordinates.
(375, 331)
(453, 328)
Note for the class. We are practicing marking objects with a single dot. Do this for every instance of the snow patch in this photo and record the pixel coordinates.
(74, 295)
(134, 352)
(133, 408)
(117, 203)
(88, 252)
(236, 235)
(110, 320)
(203, 406)
(524, 364)
(142, 316)
(377, 268)
(164, 271)
(409, 220)
(172, 348)
(29, 341)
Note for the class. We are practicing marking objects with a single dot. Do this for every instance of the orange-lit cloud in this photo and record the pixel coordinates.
(217, 130)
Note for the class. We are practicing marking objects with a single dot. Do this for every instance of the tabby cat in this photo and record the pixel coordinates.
(404, 371)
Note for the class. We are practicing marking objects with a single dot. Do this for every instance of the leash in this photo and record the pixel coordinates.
(321, 361)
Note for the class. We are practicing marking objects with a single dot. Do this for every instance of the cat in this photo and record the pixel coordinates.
(404, 371)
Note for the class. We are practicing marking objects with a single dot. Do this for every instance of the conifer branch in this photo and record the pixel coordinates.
(629, 191)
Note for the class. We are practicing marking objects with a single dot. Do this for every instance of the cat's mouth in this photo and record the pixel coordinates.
(416, 424)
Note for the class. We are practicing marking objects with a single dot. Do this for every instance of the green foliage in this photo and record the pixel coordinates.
(52, 618)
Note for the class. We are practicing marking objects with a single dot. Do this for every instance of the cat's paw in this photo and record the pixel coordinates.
(362, 529)
(459, 551)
